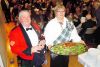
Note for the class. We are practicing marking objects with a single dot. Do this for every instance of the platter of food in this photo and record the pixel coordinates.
(69, 48)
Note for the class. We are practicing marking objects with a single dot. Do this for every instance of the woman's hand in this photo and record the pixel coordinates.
(49, 47)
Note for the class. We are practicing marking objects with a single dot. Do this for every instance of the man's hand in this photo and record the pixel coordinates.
(42, 44)
(35, 49)
(39, 47)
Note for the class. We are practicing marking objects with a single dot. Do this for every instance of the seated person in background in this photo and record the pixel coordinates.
(59, 30)
(88, 28)
(25, 42)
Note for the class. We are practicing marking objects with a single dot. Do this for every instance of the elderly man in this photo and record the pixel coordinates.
(25, 41)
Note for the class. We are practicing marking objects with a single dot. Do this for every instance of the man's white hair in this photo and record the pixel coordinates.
(21, 13)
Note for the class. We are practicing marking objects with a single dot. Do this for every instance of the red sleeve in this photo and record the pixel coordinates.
(18, 45)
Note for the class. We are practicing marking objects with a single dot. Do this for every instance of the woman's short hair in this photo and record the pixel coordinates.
(59, 6)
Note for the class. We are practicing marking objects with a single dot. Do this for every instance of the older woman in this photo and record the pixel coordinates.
(59, 30)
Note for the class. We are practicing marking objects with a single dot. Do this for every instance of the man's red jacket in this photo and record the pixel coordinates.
(20, 42)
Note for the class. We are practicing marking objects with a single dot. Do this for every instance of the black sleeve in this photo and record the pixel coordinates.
(27, 51)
